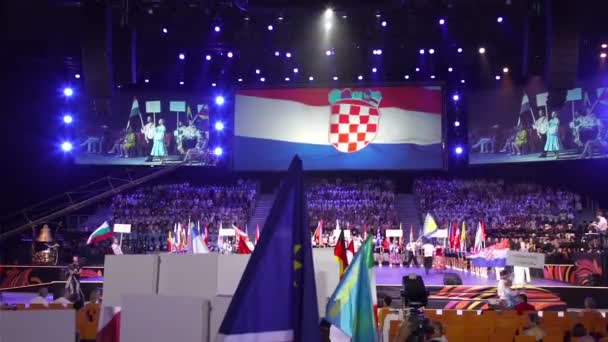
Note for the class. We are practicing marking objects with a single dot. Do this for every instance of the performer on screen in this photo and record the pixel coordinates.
(148, 132)
(541, 126)
(158, 148)
(72, 284)
(553, 144)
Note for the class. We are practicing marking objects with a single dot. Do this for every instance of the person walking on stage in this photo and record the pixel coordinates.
(411, 255)
(428, 250)
(553, 144)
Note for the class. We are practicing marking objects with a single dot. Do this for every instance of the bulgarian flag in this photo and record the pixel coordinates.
(108, 329)
(102, 233)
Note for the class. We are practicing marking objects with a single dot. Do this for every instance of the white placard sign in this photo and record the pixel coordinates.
(177, 106)
(525, 259)
(346, 233)
(227, 232)
(122, 228)
(152, 106)
(394, 233)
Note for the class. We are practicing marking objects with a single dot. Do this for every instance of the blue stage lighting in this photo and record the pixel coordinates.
(182, 56)
(359, 77)
(277, 53)
(378, 52)
(217, 29)
(287, 79)
(450, 69)
(146, 81)
(68, 119)
(262, 79)
(219, 126)
(208, 57)
(462, 81)
(441, 21)
(288, 54)
(181, 82)
(374, 70)
(455, 97)
(213, 84)
(417, 69)
(165, 30)
(257, 71)
(383, 23)
(270, 28)
(77, 76)
(327, 52)
(296, 70)
(458, 150)
(459, 50)
(219, 100)
(66, 146)
(497, 77)
(68, 91)
(230, 54)
(456, 123)
(431, 51)
(499, 20)
(240, 80)
(421, 51)
(407, 77)
(218, 151)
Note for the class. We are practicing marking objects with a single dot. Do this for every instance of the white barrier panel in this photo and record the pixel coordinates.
(200, 275)
(394, 233)
(219, 307)
(37, 325)
(526, 259)
(326, 275)
(129, 274)
(163, 319)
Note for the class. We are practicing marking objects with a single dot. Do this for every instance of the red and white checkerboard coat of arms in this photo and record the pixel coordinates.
(353, 124)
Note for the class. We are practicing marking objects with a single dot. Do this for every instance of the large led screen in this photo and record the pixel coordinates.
(358, 128)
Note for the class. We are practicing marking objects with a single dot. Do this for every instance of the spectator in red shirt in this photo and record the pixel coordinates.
(522, 304)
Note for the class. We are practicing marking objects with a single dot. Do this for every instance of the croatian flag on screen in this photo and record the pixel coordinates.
(339, 128)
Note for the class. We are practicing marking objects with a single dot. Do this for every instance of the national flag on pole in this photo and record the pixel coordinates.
(430, 226)
(525, 104)
(411, 233)
(351, 306)
(454, 234)
(401, 237)
(350, 251)
(197, 245)
(483, 231)
(207, 235)
(386, 243)
(169, 241)
(108, 329)
(244, 245)
(463, 237)
(134, 109)
(188, 113)
(319, 234)
(284, 255)
(102, 233)
(340, 253)
(478, 239)
(456, 237)
(365, 232)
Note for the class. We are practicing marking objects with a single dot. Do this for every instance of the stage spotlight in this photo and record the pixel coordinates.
(257, 71)
(383, 23)
(604, 46)
(456, 123)
(277, 53)
(432, 77)
(407, 77)
(462, 81)
(603, 55)
(213, 85)
(359, 77)
(482, 50)
(329, 13)
(458, 150)
(288, 54)
(230, 54)
(181, 82)
(499, 20)
(327, 25)
(327, 52)
(146, 81)
(219, 100)
(66, 146)
(310, 78)
(335, 78)
(459, 50)
(296, 70)
(344, 16)
(280, 18)
(455, 97)
(505, 70)
(165, 30)
(450, 69)
(240, 80)
(262, 79)
(421, 51)
(68, 91)
(374, 69)
(77, 76)
(219, 126)
(270, 28)
(378, 15)
(208, 57)
(497, 77)
(441, 21)
(218, 151)
(417, 69)
(287, 79)
(182, 56)
(68, 119)
(217, 28)
(378, 52)
(431, 51)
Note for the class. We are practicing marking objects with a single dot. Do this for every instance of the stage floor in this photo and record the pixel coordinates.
(494, 158)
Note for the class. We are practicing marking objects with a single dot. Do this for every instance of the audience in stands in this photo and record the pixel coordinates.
(358, 205)
(41, 298)
(533, 328)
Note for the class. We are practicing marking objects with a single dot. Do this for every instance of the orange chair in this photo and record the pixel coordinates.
(38, 307)
(478, 327)
(21, 307)
(554, 325)
(522, 338)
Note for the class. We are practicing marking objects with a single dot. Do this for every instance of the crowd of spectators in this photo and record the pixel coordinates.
(154, 210)
(355, 205)
(498, 204)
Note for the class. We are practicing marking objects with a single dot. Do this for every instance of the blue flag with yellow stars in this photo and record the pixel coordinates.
(276, 299)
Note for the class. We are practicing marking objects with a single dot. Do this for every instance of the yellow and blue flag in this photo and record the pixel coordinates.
(430, 226)
(351, 307)
(276, 299)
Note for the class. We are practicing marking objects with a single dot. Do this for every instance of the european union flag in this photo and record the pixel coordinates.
(276, 299)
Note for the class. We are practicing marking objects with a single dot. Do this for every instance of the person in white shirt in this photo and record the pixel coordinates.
(428, 250)
(411, 254)
(601, 225)
(61, 299)
(41, 297)
(504, 291)
(116, 248)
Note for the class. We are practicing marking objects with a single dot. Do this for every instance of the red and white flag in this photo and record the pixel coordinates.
(108, 329)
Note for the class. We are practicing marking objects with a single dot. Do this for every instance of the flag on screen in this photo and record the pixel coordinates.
(108, 329)
(134, 108)
(285, 256)
(351, 306)
(340, 253)
(430, 226)
(102, 233)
